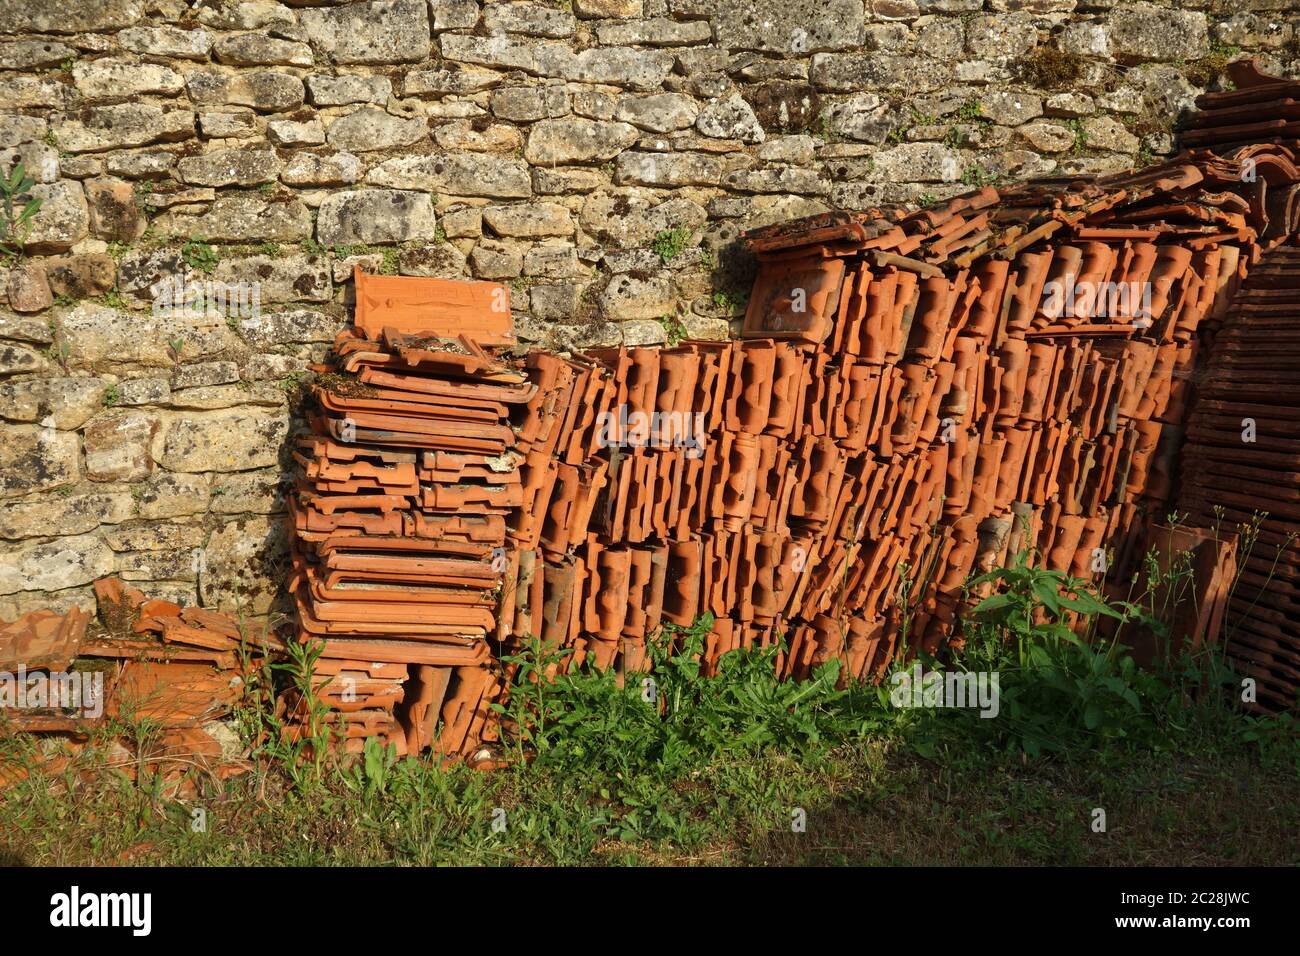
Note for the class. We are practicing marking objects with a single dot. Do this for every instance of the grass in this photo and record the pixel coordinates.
(677, 767)
(866, 802)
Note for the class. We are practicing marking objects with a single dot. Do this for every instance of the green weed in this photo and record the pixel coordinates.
(728, 301)
(18, 207)
(674, 328)
(1080, 135)
(303, 752)
(199, 255)
(668, 244)
(975, 175)
(114, 299)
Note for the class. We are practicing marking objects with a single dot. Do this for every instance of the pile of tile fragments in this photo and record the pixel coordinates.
(171, 673)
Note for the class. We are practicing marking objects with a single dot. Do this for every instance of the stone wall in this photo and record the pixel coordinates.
(598, 156)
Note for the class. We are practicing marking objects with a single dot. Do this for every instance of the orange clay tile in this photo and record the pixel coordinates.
(480, 310)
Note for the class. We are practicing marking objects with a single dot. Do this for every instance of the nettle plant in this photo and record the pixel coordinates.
(1033, 605)
(1060, 690)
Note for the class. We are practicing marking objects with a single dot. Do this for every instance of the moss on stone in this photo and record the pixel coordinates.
(1049, 67)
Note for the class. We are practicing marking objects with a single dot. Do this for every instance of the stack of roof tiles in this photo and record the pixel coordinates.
(902, 411)
(400, 516)
(914, 398)
(181, 666)
(1242, 455)
(1242, 467)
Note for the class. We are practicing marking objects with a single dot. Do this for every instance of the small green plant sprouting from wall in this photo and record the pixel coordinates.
(199, 255)
(977, 176)
(824, 129)
(728, 301)
(15, 219)
(675, 329)
(114, 299)
(59, 352)
(669, 243)
(339, 251)
(972, 111)
(1205, 71)
(291, 384)
(916, 118)
(1080, 136)
(112, 395)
